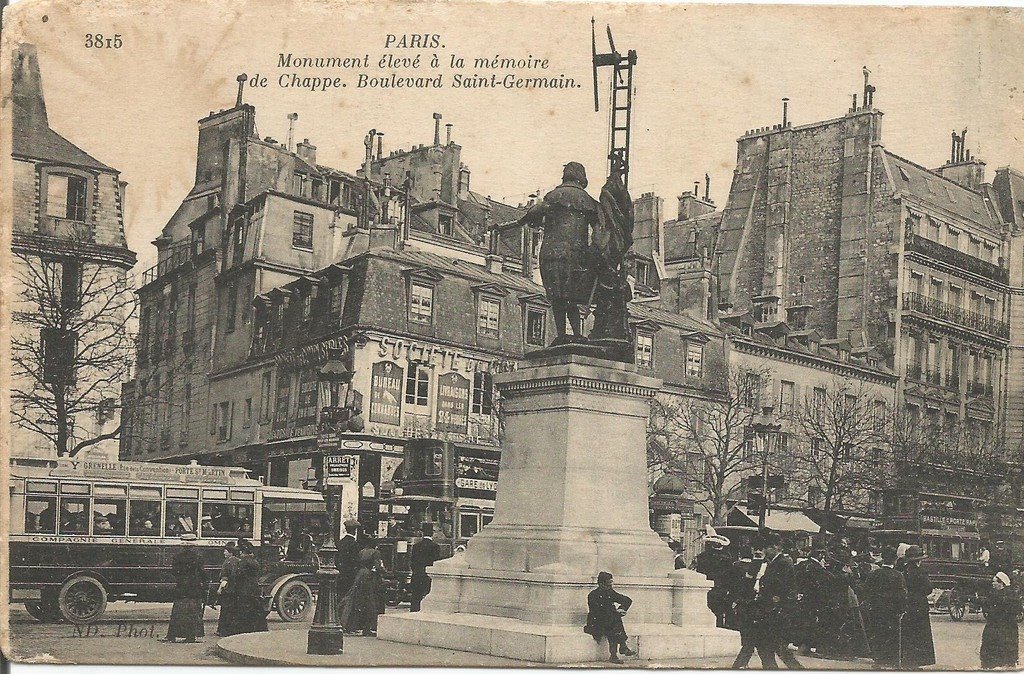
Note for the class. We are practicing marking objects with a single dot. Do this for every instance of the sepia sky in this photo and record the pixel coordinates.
(705, 75)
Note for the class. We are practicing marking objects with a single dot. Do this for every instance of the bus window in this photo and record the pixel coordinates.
(181, 517)
(74, 515)
(222, 520)
(41, 515)
(145, 518)
(469, 524)
(109, 516)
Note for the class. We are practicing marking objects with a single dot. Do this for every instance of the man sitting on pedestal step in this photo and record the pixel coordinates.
(605, 617)
(424, 553)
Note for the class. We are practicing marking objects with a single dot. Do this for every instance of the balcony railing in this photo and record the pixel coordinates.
(962, 317)
(932, 249)
(174, 257)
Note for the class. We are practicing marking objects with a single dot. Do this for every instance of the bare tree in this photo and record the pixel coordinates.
(707, 441)
(70, 349)
(844, 426)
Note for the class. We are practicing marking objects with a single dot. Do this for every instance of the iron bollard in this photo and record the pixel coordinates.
(325, 637)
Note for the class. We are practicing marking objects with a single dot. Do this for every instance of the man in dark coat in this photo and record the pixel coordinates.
(604, 617)
(885, 600)
(566, 215)
(714, 562)
(775, 605)
(1001, 559)
(189, 593)
(813, 584)
(743, 597)
(918, 649)
(423, 554)
(346, 560)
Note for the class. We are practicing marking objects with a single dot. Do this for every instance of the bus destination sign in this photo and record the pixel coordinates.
(135, 471)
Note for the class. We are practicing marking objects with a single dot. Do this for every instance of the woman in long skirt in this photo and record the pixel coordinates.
(189, 593)
(999, 641)
(917, 647)
(225, 594)
(365, 601)
(245, 580)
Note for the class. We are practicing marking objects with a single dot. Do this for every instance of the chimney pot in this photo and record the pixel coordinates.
(448, 128)
(437, 128)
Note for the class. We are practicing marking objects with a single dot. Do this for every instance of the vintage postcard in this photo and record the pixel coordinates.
(518, 334)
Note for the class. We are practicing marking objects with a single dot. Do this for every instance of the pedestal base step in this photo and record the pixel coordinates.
(510, 638)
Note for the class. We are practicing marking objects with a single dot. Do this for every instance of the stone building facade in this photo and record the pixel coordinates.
(69, 297)
(826, 233)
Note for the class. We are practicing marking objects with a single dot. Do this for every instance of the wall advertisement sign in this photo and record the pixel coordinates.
(386, 393)
(452, 403)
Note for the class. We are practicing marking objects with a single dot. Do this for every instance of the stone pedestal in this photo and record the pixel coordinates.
(571, 501)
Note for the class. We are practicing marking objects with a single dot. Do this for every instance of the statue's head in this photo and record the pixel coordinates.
(573, 172)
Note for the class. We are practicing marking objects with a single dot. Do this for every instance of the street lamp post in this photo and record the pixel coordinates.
(325, 635)
(770, 431)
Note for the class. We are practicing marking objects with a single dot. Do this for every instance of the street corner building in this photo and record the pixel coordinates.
(307, 323)
(70, 297)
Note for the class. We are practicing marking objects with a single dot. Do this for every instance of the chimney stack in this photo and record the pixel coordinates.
(707, 188)
(448, 128)
(785, 112)
(241, 86)
(380, 145)
(368, 143)
(292, 116)
(963, 144)
(437, 129)
(854, 103)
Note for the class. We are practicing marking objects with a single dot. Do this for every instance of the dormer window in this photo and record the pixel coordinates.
(66, 197)
(445, 225)
(643, 272)
(644, 349)
(488, 316)
(421, 303)
(766, 312)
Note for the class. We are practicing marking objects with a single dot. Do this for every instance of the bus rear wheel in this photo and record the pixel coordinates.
(82, 600)
(294, 601)
(43, 611)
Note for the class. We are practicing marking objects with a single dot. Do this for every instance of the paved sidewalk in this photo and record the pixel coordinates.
(288, 648)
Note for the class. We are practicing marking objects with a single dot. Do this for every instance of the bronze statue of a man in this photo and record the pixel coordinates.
(566, 214)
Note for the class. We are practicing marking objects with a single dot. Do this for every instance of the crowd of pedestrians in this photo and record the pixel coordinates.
(835, 602)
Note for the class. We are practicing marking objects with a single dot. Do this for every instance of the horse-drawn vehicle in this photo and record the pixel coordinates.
(966, 583)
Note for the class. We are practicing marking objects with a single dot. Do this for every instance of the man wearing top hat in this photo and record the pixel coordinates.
(885, 599)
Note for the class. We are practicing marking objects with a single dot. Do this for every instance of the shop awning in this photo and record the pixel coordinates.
(781, 520)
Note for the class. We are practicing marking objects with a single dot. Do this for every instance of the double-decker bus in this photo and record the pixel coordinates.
(85, 532)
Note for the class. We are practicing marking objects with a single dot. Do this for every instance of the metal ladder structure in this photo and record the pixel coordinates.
(621, 100)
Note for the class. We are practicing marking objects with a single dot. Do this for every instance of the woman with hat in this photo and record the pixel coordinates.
(918, 649)
(225, 593)
(366, 599)
(245, 581)
(999, 641)
(189, 593)
(604, 619)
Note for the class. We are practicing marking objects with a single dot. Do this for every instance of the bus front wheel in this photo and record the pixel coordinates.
(294, 601)
(82, 600)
